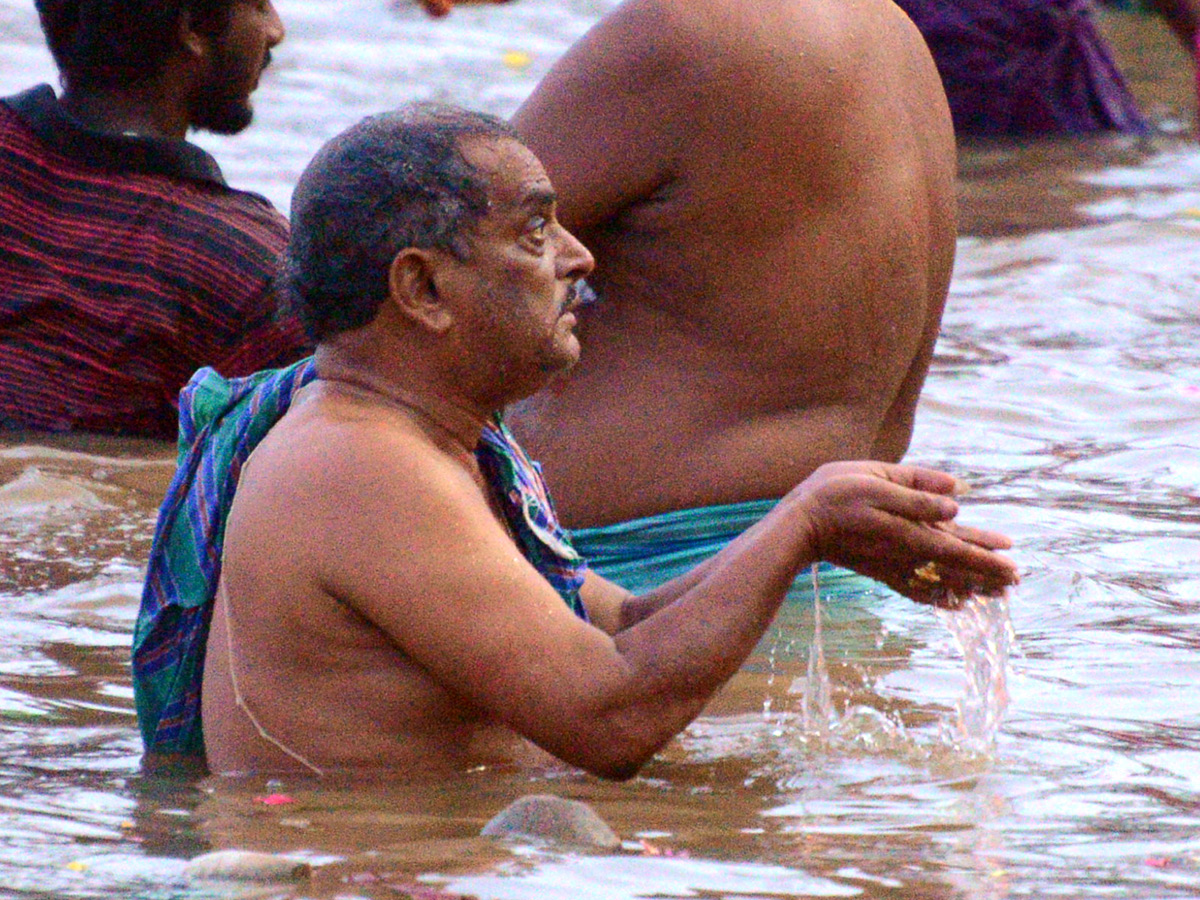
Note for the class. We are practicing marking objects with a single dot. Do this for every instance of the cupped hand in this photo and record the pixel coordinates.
(439, 8)
(896, 524)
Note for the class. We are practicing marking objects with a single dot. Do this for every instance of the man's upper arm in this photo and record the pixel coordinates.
(601, 121)
(604, 601)
(420, 555)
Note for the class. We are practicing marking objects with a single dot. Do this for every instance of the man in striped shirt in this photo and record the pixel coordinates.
(126, 262)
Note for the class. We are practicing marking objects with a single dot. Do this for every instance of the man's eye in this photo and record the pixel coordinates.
(537, 228)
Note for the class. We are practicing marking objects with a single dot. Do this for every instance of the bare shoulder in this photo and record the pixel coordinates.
(329, 482)
(779, 39)
(670, 89)
(332, 458)
(691, 69)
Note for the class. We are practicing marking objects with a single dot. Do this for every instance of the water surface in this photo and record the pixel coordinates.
(1066, 389)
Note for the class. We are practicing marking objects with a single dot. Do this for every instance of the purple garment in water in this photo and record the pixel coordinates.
(1024, 67)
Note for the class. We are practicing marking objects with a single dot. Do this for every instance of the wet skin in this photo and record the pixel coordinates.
(376, 614)
(768, 189)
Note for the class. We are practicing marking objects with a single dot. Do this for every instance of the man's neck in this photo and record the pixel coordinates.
(454, 419)
(143, 111)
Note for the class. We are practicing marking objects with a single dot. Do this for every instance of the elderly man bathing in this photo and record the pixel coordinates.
(395, 592)
(769, 191)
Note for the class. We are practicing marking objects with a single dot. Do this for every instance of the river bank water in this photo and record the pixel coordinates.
(1066, 389)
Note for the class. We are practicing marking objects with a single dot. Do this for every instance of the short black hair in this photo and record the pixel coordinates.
(394, 180)
(111, 43)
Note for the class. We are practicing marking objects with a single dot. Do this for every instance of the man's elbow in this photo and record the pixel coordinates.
(616, 754)
(615, 767)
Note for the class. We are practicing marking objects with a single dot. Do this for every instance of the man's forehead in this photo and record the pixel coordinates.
(514, 175)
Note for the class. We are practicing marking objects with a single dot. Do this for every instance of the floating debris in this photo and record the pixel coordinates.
(517, 59)
(650, 849)
(274, 800)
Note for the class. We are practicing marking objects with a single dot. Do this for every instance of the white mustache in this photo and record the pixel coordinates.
(581, 294)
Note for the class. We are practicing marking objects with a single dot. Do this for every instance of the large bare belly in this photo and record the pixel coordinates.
(640, 428)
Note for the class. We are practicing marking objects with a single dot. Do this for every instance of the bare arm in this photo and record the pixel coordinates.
(612, 609)
(597, 121)
(425, 560)
(653, 87)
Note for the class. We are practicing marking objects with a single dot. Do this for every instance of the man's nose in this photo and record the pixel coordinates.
(573, 259)
(275, 30)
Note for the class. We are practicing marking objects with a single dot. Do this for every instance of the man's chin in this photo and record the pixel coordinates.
(562, 360)
(553, 374)
(227, 120)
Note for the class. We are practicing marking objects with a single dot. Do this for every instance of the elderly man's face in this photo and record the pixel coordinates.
(523, 268)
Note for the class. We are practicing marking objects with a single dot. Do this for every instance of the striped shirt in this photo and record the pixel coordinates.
(126, 263)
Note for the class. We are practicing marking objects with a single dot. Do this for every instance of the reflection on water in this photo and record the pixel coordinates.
(1066, 389)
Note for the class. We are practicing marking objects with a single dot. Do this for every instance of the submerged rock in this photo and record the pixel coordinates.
(34, 493)
(550, 818)
(242, 865)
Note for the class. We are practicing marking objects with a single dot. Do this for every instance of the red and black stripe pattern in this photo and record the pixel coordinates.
(126, 264)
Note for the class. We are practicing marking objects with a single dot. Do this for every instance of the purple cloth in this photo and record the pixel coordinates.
(1025, 67)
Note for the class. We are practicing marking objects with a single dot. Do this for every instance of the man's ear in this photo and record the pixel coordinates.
(411, 288)
(195, 45)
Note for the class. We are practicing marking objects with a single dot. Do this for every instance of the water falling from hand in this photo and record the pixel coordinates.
(983, 630)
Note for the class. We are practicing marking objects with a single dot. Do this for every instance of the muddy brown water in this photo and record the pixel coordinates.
(1066, 389)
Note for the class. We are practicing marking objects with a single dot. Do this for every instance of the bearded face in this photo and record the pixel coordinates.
(221, 102)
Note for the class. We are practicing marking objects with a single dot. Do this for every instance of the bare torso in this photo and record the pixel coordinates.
(768, 189)
(375, 611)
(318, 676)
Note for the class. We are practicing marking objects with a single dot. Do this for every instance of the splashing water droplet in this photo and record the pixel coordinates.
(817, 715)
(983, 631)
